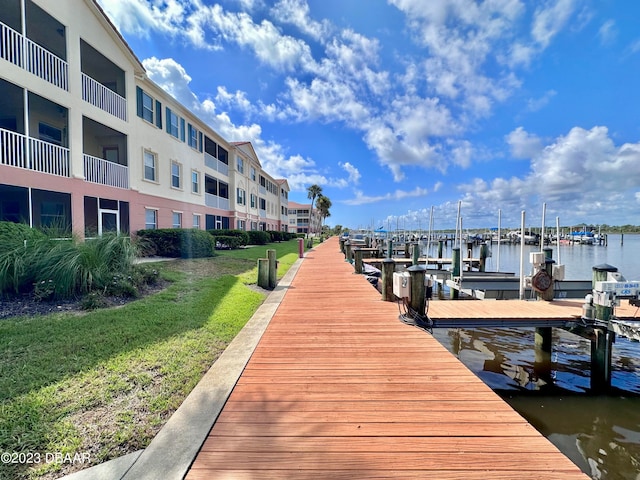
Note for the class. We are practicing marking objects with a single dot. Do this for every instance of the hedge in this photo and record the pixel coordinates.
(257, 237)
(228, 241)
(241, 234)
(178, 242)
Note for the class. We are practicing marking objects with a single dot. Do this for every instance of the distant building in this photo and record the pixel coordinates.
(301, 218)
(88, 142)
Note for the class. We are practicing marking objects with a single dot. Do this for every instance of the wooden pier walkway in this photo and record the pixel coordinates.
(338, 387)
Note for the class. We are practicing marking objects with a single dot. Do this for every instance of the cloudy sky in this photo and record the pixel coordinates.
(394, 107)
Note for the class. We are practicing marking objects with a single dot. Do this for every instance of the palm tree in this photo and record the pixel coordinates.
(312, 193)
(324, 204)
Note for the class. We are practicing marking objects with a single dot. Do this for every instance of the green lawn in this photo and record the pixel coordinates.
(103, 383)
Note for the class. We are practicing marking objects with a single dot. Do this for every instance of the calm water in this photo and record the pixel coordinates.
(600, 433)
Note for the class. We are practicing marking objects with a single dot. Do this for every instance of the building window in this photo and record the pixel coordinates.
(263, 204)
(193, 136)
(148, 108)
(175, 175)
(177, 220)
(242, 225)
(253, 174)
(150, 219)
(150, 166)
(196, 221)
(242, 196)
(254, 201)
(240, 163)
(195, 182)
(173, 123)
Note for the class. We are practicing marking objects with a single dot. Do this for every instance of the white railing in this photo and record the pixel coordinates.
(214, 201)
(19, 50)
(262, 190)
(49, 158)
(43, 156)
(104, 98)
(215, 164)
(13, 149)
(99, 170)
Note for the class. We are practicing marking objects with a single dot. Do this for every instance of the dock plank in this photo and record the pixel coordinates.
(338, 387)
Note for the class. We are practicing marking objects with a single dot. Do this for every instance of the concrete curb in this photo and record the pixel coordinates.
(173, 449)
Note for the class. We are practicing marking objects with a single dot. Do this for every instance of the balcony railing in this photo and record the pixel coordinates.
(104, 98)
(42, 156)
(215, 164)
(214, 201)
(98, 170)
(19, 50)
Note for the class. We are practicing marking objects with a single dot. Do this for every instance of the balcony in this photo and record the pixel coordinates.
(215, 164)
(104, 98)
(103, 82)
(28, 55)
(214, 201)
(104, 172)
(16, 150)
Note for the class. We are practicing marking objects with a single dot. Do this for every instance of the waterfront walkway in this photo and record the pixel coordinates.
(338, 387)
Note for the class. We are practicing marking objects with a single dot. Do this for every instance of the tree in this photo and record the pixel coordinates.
(312, 193)
(324, 204)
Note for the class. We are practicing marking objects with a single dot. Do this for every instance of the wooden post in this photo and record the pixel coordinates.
(455, 271)
(301, 247)
(388, 267)
(543, 348)
(273, 268)
(418, 300)
(415, 253)
(263, 272)
(621, 239)
(407, 247)
(347, 251)
(484, 252)
(440, 246)
(601, 347)
(548, 294)
(342, 240)
(357, 255)
(389, 248)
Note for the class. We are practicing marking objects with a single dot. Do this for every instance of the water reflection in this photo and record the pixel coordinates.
(601, 434)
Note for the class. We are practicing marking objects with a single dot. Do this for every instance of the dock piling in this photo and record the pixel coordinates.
(388, 267)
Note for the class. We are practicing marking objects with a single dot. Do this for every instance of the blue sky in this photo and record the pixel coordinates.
(394, 107)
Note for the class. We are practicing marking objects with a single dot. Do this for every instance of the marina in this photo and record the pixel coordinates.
(553, 389)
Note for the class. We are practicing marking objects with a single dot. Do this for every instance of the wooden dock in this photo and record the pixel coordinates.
(338, 387)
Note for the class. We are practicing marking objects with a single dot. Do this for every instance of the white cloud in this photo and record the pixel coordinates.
(572, 174)
(352, 171)
(523, 144)
(536, 104)
(550, 19)
(607, 32)
(361, 198)
(297, 12)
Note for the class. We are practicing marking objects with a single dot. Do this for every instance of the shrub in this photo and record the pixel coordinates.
(241, 234)
(228, 242)
(276, 235)
(177, 242)
(258, 237)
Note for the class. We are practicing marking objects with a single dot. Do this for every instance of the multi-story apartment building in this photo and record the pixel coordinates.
(302, 218)
(88, 142)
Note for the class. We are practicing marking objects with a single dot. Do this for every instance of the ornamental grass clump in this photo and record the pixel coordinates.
(55, 268)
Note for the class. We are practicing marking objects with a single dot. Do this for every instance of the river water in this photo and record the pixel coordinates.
(599, 433)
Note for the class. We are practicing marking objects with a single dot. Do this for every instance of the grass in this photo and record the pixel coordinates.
(105, 382)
